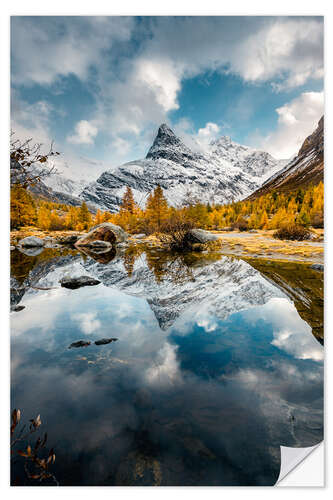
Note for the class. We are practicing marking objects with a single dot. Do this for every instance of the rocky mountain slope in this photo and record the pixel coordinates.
(43, 190)
(306, 168)
(61, 184)
(223, 172)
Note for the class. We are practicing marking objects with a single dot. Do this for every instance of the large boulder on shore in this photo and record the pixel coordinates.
(103, 232)
(201, 236)
(31, 242)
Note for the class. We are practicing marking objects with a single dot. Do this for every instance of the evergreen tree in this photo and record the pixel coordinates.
(264, 220)
(128, 203)
(84, 217)
(98, 217)
(22, 208)
(157, 208)
(71, 220)
(107, 216)
(43, 218)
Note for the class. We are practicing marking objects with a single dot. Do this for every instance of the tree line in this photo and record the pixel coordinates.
(304, 207)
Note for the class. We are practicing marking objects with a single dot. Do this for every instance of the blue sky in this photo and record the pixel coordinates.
(100, 87)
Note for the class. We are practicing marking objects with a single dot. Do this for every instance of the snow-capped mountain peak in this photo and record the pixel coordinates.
(225, 171)
(168, 145)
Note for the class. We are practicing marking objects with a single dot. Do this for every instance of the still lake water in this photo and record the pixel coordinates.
(213, 369)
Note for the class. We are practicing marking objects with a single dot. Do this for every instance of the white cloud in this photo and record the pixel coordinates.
(87, 321)
(208, 133)
(85, 133)
(165, 369)
(286, 49)
(197, 140)
(296, 120)
(136, 88)
(161, 77)
(286, 52)
(290, 333)
(45, 49)
(31, 120)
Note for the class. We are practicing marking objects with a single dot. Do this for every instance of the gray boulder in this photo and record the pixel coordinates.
(78, 282)
(201, 236)
(31, 242)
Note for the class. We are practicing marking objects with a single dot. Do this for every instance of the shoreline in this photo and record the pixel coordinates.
(255, 245)
(262, 245)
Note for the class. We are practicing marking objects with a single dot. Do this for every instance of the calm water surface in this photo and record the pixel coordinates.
(213, 370)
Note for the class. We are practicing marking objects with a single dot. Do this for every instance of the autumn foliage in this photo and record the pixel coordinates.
(304, 207)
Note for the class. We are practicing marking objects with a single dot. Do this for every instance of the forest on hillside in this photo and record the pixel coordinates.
(304, 207)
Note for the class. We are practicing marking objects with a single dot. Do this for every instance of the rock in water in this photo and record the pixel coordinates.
(105, 341)
(105, 232)
(31, 242)
(201, 236)
(73, 283)
(80, 343)
(17, 308)
(317, 267)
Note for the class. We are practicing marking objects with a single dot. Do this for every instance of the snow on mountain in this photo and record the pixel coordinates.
(63, 184)
(220, 288)
(225, 171)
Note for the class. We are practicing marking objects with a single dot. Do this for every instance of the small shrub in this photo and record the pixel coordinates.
(174, 233)
(292, 232)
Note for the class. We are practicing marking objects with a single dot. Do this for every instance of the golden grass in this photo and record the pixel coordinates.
(262, 245)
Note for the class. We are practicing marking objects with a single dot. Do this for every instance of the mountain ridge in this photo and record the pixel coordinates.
(306, 168)
(226, 171)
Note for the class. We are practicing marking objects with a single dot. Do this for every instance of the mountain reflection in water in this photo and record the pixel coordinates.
(213, 369)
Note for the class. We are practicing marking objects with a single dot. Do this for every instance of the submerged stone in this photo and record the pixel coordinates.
(80, 343)
(17, 308)
(78, 282)
(317, 267)
(105, 341)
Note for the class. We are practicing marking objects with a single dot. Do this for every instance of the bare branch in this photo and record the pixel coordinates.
(28, 164)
